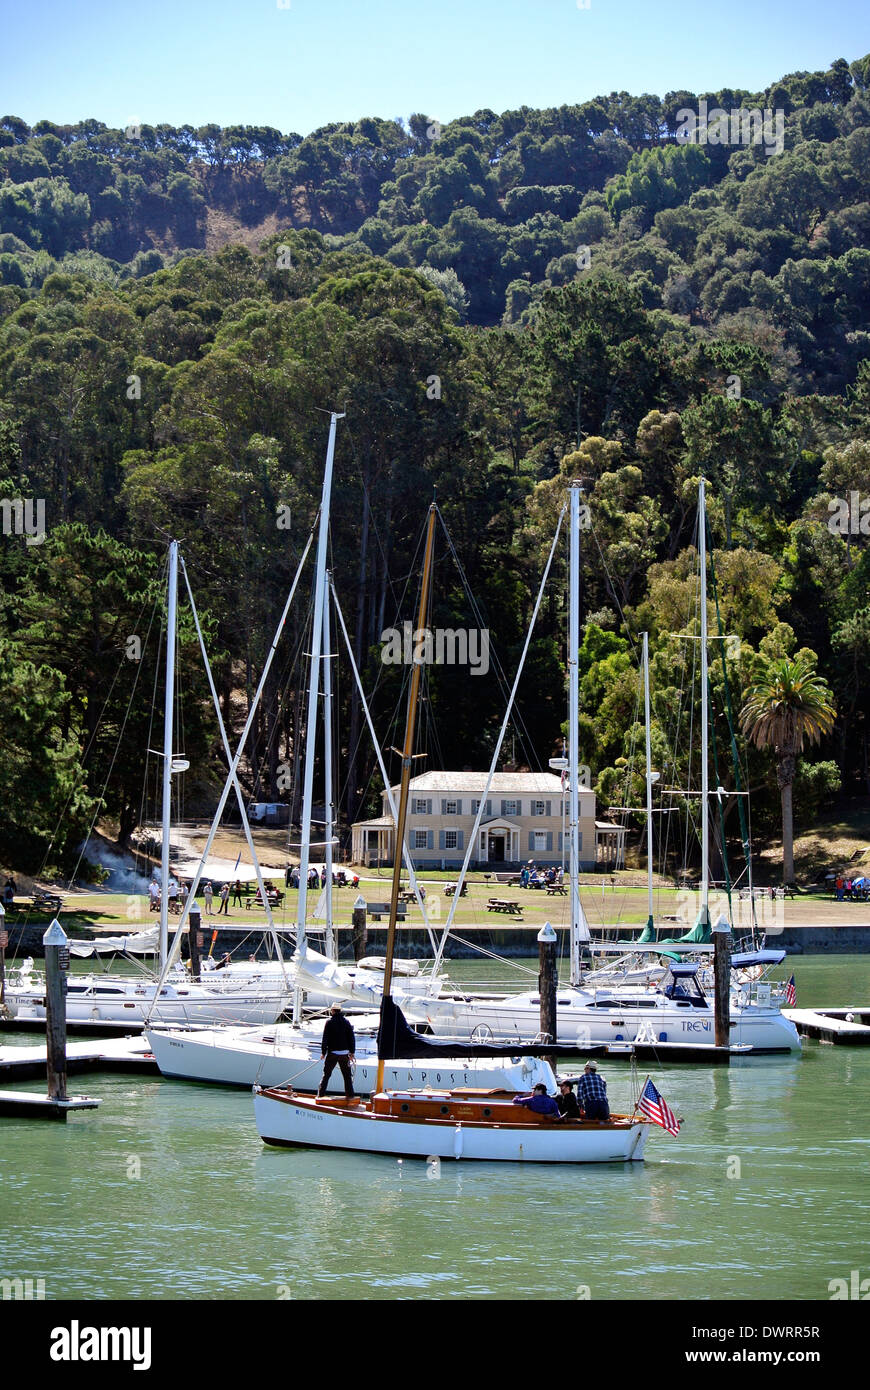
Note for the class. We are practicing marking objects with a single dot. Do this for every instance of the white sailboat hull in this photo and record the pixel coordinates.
(94, 1001)
(241, 1057)
(580, 1023)
(299, 1124)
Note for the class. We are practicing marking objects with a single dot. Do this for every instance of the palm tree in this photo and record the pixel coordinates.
(788, 704)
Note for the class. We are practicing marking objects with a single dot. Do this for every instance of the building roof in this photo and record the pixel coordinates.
(379, 823)
(503, 783)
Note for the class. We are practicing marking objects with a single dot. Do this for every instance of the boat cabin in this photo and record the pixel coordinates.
(682, 987)
(462, 1106)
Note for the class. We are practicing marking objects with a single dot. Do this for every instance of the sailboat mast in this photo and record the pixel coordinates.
(168, 712)
(573, 729)
(705, 779)
(407, 756)
(327, 766)
(313, 687)
(649, 782)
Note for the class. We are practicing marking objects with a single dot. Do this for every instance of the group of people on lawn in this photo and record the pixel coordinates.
(178, 896)
(530, 877)
(857, 889)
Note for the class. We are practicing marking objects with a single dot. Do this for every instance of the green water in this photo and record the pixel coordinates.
(213, 1214)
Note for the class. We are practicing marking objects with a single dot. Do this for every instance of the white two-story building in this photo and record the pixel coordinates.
(524, 818)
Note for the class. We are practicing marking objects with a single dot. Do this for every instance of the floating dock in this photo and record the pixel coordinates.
(83, 1027)
(681, 1052)
(846, 1026)
(105, 1054)
(26, 1105)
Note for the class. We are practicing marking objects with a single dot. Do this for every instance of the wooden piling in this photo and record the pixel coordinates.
(4, 942)
(547, 985)
(722, 981)
(194, 938)
(56, 966)
(358, 926)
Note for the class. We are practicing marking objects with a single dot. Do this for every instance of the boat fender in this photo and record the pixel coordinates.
(457, 1142)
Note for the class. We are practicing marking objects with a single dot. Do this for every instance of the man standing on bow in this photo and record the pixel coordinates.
(337, 1048)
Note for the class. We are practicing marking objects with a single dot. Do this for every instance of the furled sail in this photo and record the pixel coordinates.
(143, 943)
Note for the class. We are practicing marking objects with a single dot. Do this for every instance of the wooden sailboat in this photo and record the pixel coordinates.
(448, 1123)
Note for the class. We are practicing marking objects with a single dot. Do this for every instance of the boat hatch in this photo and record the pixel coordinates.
(452, 1108)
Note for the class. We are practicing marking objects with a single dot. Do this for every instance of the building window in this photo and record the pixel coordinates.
(539, 808)
(510, 808)
(421, 839)
(451, 808)
(450, 839)
(420, 808)
(540, 838)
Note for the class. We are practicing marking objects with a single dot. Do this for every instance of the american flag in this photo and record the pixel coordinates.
(656, 1108)
(791, 993)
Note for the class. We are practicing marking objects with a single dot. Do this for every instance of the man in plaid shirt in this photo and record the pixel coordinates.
(592, 1093)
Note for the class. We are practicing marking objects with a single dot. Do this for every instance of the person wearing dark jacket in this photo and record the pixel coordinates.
(337, 1048)
(567, 1101)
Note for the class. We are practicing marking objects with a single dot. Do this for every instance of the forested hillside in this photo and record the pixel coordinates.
(499, 305)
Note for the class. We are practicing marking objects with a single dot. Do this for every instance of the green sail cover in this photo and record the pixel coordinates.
(700, 934)
(648, 934)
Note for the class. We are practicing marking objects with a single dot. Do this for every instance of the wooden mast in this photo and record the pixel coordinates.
(407, 757)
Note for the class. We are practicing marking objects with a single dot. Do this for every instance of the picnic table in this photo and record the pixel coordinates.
(559, 888)
(275, 896)
(47, 902)
(450, 889)
(507, 905)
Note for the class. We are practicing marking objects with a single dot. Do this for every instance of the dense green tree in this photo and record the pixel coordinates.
(595, 361)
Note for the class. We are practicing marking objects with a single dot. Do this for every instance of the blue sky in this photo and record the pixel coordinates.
(252, 62)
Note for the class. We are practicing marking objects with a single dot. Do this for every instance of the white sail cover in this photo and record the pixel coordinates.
(312, 971)
(143, 943)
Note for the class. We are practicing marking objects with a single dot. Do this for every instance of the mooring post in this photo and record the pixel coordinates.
(547, 983)
(194, 938)
(359, 932)
(4, 941)
(56, 966)
(722, 981)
